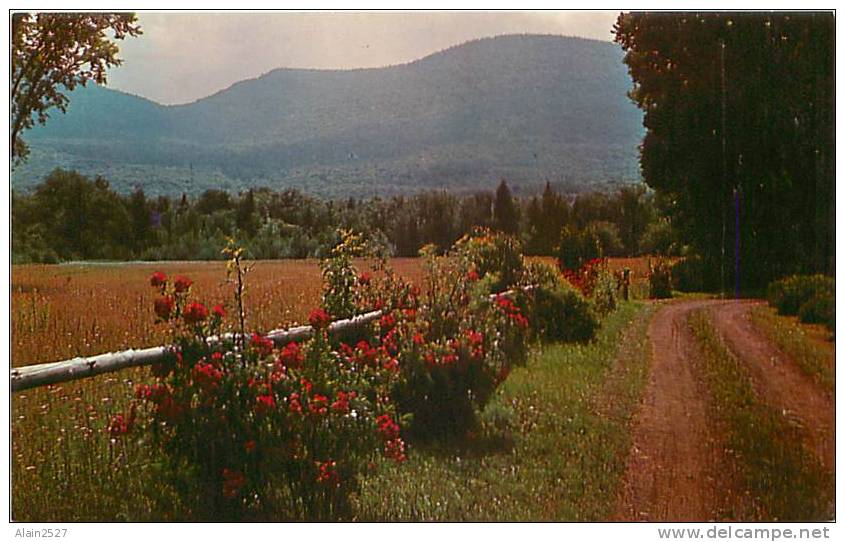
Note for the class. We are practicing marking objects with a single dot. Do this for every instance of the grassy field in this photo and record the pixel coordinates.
(785, 484)
(809, 345)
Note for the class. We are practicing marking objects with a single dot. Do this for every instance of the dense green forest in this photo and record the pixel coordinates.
(529, 109)
(739, 117)
(71, 217)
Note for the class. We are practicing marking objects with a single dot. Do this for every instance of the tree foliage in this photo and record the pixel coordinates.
(53, 53)
(739, 106)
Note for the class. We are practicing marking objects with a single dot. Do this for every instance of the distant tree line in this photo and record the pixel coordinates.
(71, 217)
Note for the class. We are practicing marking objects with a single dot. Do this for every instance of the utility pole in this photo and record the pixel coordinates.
(724, 163)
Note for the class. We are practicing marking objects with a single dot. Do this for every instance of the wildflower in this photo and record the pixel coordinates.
(163, 307)
(262, 345)
(317, 405)
(364, 279)
(218, 311)
(264, 403)
(395, 449)
(291, 356)
(293, 403)
(181, 284)
(233, 480)
(387, 428)
(158, 279)
(418, 339)
(387, 322)
(249, 446)
(319, 319)
(120, 426)
(472, 276)
(341, 404)
(410, 314)
(327, 473)
(206, 376)
(195, 313)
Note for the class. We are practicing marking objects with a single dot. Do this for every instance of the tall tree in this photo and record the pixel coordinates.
(53, 53)
(505, 216)
(739, 113)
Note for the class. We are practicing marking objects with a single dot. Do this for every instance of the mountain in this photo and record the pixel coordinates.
(525, 108)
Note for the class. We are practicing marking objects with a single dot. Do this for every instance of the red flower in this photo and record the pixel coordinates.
(306, 385)
(195, 313)
(410, 314)
(158, 279)
(249, 446)
(364, 279)
(143, 392)
(387, 322)
(327, 473)
(418, 339)
(317, 405)
(264, 403)
(391, 364)
(294, 404)
(387, 428)
(206, 376)
(233, 480)
(472, 276)
(181, 284)
(474, 338)
(163, 307)
(395, 449)
(262, 345)
(120, 426)
(291, 356)
(319, 319)
(341, 404)
(219, 311)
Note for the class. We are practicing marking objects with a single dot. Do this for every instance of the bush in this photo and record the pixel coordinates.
(486, 253)
(577, 248)
(660, 280)
(820, 309)
(607, 233)
(254, 430)
(789, 294)
(688, 274)
(559, 311)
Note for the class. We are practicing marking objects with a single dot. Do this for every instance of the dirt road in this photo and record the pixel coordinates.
(779, 381)
(671, 467)
(677, 469)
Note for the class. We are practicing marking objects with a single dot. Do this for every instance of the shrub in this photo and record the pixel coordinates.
(821, 309)
(559, 311)
(688, 274)
(607, 233)
(486, 253)
(262, 429)
(660, 280)
(790, 293)
(576, 248)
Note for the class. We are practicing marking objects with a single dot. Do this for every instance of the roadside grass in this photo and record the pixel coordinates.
(804, 343)
(786, 483)
(547, 451)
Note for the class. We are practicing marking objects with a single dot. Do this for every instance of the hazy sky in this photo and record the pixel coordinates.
(182, 57)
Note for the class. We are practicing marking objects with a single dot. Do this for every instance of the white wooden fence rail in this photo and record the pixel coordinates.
(43, 374)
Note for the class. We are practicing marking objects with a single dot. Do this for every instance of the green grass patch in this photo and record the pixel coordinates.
(815, 356)
(786, 483)
(548, 451)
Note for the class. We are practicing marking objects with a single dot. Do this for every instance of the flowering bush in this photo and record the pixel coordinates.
(559, 310)
(264, 429)
(455, 345)
(596, 282)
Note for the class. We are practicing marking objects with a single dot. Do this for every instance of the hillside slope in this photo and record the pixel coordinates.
(524, 108)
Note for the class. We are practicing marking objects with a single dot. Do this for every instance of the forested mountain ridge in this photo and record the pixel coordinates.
(528, 109)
